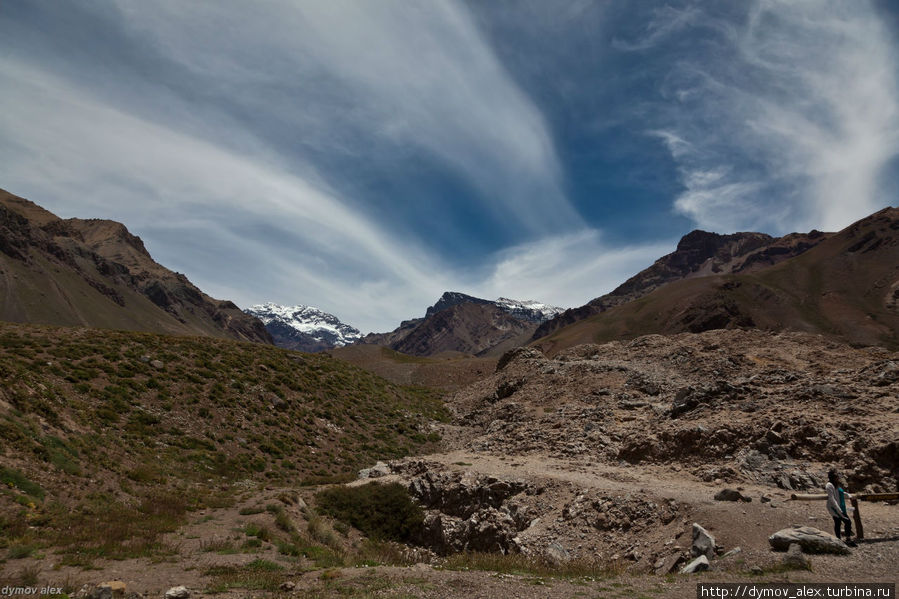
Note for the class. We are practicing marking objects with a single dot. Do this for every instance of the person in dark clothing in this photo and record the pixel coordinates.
(836, 506)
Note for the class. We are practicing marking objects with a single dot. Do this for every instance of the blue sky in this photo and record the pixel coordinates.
(365, 156)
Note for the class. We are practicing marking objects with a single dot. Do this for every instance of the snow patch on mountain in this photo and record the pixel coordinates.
(529, 309)
(304, 327)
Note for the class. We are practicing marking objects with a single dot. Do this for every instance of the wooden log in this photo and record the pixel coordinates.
(857, 516)
(877, 496)
(808, 496)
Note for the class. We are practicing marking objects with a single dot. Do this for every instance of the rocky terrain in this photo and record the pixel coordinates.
(604, 467)
(304, 328)
(600, 450)
(76, 272)
(604, 459)
(462, 323)
(728, 404)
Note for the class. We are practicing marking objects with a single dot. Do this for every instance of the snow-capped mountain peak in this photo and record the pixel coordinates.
(305, 328)
(529, 309)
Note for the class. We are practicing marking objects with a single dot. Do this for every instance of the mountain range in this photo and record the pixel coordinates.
(455, 323)
(304, 328)
(698, 254)
(76, 272)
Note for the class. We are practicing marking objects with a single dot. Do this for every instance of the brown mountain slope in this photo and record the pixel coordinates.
(698, 254)
(470, 328)
(447, 372)
(465, 324)
(95, 273)
(846, 287)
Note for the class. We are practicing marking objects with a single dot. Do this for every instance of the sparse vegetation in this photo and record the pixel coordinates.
(15, 479)
(256, 413)
(221, 546)
(249, 511)
(516, 563)
(260, 574)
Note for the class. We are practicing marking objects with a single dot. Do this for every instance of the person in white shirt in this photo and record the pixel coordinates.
(836, 506)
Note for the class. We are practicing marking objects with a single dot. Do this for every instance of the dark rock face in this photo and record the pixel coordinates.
(462, 323)
(466, 512)
(453, 298)
(472, 328)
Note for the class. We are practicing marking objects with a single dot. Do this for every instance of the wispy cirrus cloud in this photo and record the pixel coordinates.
(213, 130)
(581, 265)
(664, 22)
(783, 116)
(216, 214)
(374, 78)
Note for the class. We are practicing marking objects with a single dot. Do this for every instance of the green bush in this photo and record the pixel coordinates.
(14, 478)
(379, 511)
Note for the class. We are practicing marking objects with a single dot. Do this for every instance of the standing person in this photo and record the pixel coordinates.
(836, 506)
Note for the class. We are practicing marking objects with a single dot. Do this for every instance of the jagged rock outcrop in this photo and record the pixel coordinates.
(467, 511)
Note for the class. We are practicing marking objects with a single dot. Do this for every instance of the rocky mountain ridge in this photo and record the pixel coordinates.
(77, 272)
(698, 254)
(458, 322)
(844, 285)
(304, 328)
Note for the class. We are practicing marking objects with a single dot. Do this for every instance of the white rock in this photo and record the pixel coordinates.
(811, 540)
(703, 542)
(377, 471)
(179, 592)
(699, 564)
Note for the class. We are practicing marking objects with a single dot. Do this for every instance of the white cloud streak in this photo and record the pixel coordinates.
(85, 157)
(415, 74)
(665, 21)
(786, 121)
(568, 270)
(210, 195)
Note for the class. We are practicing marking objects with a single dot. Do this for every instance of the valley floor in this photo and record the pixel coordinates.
(217, 554)
(588, 470)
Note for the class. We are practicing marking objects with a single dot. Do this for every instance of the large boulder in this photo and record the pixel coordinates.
(377, 471)
(810, 539)
(731, 495)
(703, 542)
(491, 530)
(487, 530)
